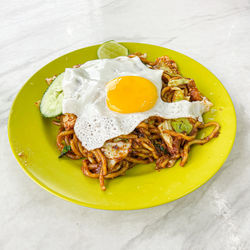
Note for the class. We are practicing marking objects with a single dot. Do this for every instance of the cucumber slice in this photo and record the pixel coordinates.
(51, 104)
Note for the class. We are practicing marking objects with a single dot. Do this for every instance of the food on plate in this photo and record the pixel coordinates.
(51, 104)
(116, 113)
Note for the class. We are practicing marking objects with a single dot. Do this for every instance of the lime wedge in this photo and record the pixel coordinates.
(111, 49)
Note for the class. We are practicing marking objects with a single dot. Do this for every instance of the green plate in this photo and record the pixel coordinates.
(33, 141)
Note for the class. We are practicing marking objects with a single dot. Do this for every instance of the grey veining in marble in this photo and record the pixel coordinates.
(216, 33)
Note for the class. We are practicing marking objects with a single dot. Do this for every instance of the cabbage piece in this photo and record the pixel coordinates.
(178, 95)
(115, 151)
(167, 65)
(182, 125)
(177, 82)
(166, 125)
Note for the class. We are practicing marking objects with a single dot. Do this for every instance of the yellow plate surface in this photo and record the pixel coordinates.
(35, 138)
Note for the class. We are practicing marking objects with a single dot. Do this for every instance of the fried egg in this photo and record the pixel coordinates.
(112, 96)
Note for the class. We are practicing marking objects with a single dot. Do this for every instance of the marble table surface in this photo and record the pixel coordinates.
(216, 33)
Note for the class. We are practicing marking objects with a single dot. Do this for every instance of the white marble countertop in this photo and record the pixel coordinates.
(216, 33)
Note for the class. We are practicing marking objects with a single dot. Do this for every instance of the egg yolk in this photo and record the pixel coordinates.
(131, 94)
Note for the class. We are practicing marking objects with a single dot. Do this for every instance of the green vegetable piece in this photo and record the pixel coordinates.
(177, 82)
(160, 148)
(178, 96)
(182, 125)
(65, 150)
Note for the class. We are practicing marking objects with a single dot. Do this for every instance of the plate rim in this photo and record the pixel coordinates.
(98, 206)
